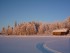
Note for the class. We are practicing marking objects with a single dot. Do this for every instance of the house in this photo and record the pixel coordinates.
(63, 31)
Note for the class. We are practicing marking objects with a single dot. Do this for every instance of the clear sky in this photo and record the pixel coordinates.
(33, 10)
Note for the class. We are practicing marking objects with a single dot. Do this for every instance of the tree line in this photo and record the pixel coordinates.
(34, 28)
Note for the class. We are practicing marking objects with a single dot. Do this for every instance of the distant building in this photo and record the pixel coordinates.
(63, 31)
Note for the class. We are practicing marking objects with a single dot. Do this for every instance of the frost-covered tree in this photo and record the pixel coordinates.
(3, 30)
(68, 22)
(41, 29)
(31, 28)
(10, 30)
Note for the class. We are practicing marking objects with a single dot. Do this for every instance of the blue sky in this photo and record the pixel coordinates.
(33, 10)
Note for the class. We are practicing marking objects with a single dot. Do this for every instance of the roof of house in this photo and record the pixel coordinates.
(61, 30)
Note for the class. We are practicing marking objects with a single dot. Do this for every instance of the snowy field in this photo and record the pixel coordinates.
(34, 44)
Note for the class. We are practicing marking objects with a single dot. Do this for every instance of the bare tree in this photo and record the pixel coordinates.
(15, 23)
